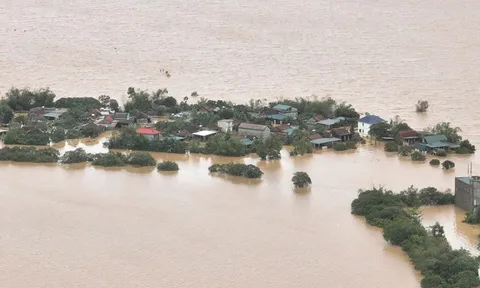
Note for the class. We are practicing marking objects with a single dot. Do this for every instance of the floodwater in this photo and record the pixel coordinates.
(87, 227)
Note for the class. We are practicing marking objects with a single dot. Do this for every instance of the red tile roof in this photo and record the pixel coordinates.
(109, 118)
(318, 117)
(147, 131)
(409, 133)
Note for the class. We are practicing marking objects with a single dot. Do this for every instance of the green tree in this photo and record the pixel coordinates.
(301, 146)
(273, 145)
(140, 159)
(447, 164)
(339, 146)
(113, 104)
(301, 179)
(346, 110)
(379, 130)
(445, 128)
(391, 147)
(405, 150)
(437, 230)
(57, 134)
(6, 113)
(418, 156)
(465, 147)
(401, 230)
(167, 166)
(421, 106)
(76, 156)
(237, 169)
(104, 100)
(434, 162)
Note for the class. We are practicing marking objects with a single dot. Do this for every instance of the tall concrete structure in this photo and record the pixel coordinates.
(467, 192)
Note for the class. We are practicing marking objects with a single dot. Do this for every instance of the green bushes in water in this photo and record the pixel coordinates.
(76, 156)
(339, 146)
(167, 166)
(447, 164)
(140, 159)
(110, 159)
(236, 169)
(418, 156)
(301, 179)
(434, 162)
(428, 249)
(29, 154)
(405, 150)
(465, 148)
(391, 147)
(18, 136)
(441, 153)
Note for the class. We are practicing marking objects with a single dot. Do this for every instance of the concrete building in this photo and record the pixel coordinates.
(204, 134)
(255, 130)
(366, 122)
(467, 192)
(149, 133)
(226, 125)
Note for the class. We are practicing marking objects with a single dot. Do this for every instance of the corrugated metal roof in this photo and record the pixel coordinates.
(324, 141)
(282, 107)
(250, 126)
(371, 119)
(435, 138)
(279, 117)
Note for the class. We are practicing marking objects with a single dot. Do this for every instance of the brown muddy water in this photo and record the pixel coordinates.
(86, 227)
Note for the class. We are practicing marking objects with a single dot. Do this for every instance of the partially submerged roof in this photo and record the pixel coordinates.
(250, 126)
(283, 107)
(341, 131)
(279, 117)
(204, 133)
(147, 131)
(435, 138)
(371, 119)
(329, 122)
(321, 141)
(409, 134)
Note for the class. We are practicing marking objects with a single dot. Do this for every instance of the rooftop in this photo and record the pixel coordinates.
(320, 141)
(435, 139)
(204, 133)
(250, 126)
(409, 133)
(371, 119)
(278, 117)
(328, 122)
(283, 107)
(226, 120)
(147, 131)
(468, 180)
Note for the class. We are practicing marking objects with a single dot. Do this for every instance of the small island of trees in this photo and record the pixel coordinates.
(237, 169)
(301, 180)
(167, 166)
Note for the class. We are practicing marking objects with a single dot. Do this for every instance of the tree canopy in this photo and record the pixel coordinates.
(445, 128)
(301, 179)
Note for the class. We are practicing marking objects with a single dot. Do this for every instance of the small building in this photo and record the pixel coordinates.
(329, 123)
(408, 138)
(226, 125)
(286, 110)
(94, 127)
(366, 122)
(324, 142)
(123, 119)
(255, 130)
(314, 120)
(342, 134)
(149, 133)
(204, 134)
(277, 118)
(434, 143)
(42, 113)
(467, 192)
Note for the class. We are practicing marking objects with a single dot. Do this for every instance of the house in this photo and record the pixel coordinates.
(45, 113)
(226, 125)
(433, 143)
(285, 129)
(143, 118)
(277, 118)
(341, 133)
(204, 134)
(286, 110)
(91, 125)
(366, 122)
(324, 142)
(255, 130)
(329, 123)
(149, 133)
(123, 119)
(467, 192)
(314, 120)
(106, 112)
(408, 138)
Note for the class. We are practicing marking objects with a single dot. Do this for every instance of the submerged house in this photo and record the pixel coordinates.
(342, 133)
(149, 133)
(254, 130)
(286, 110)
(408, 138)
(366, 122)
(329, 123)
(123, 119)
(433, 143)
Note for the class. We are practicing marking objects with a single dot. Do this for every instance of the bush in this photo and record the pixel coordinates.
(462, 150)
(109, 159)
(301, 179)
(76, 156)
(339, 146)
(29, 154)
(140, 159)
(434, 162)
(351, 144)
(422, 106)
(236, 169)
(447, 164)
(466, 147)
(19, 136)
(405, 150)
(441, 153)
(418, 156)
(168, 166)
(391, 147)
(57, 134)
(73, 134)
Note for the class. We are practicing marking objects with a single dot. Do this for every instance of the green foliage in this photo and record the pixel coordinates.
(89, 132)
(225, 145)
(73, 102)
(441, 153)
(421, 106)
(391, 147)
(434, 162)
(346, 110)
(428, 250)
(447, 164)
(418, 156)
(140, 159)
(57, 134)
(236, 169)
(110, 159)
(113, 105)
(167, 166)
(472, 218)
(73, 134)
(76, 156)
(350, 144)
(380, 130)
(450, 132)
(140, 100)
(301, 146)
(29, 154)
(465, 147)
(339, 146)
(270, 149)
(301, 179)
(6, 113)
(194, 146)
(24, 99)
(18, 136)
(405, 150)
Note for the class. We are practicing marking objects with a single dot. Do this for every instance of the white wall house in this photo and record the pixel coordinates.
(366, 122)
(226, 125)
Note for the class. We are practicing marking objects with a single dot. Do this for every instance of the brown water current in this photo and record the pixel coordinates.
(81, 226)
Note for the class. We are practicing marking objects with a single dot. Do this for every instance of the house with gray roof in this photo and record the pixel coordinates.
(366, 122)
(286, 110)
(254, 130)
(433, 143)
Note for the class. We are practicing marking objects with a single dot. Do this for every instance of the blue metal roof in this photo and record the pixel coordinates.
(328, 122)
(282, 107)
(371, 119)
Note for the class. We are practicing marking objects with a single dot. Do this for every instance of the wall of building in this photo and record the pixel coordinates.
(464, 195)
(225, 126)
(363, 129)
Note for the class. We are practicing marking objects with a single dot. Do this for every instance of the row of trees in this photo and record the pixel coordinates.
(428, 249)
(237, 169)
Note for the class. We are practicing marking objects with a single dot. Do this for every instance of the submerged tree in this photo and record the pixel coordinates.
(422, 106)
(301, 179)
